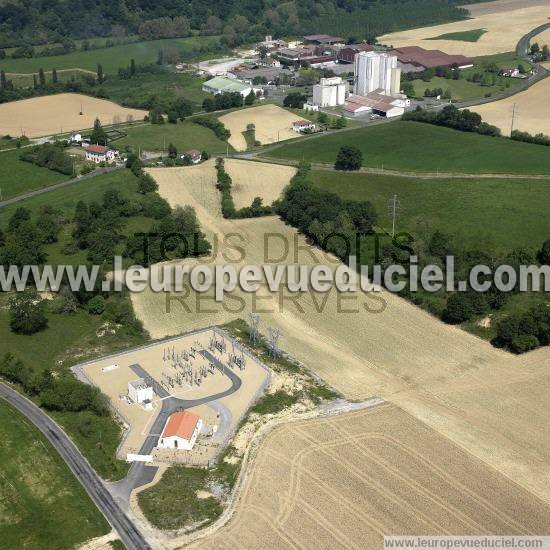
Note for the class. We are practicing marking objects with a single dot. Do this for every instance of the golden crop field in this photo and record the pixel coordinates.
(346, 481)
(489, 402)
(532, 112)
(264, 180)
(505, 25)
(60, 113)
(272, 123)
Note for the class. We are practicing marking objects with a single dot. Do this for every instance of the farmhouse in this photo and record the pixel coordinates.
(417, 59)
(194, 156)
(330, 92)
(181, 431)
(512, 72)
(140, 392)
(222, 84)
(303, 125)
(100, 153)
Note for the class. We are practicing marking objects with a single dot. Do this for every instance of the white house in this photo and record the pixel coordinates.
(140, 392)
(76, 138)
(194, 156)
(100, 153)
(303, 125)
(181, 431)
(330, 92)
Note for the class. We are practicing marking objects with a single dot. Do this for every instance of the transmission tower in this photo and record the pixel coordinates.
(254, 321)
(394, 207)
(274, 334)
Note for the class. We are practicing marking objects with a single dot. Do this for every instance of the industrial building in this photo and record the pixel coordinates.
(140, 392)
(181, 431)
(374, 71)
(330, 92)
(348, 53)
(377, 103)
(223, 84)
(417, 59)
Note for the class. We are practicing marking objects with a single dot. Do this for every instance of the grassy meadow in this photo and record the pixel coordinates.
(495, 215)
(472, 35)
(415, 146)
(43, 507)
(18, 177)
(184, 135)
(110, 58)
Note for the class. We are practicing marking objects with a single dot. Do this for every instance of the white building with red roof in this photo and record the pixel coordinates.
(100, 153)
(181, 431)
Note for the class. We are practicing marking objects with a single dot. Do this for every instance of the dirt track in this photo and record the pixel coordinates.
(489, 402)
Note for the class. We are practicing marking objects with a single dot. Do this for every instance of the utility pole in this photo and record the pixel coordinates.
(393, 208)
(513, 118)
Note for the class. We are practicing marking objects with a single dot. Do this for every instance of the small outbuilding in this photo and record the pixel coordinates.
(181, 431)
(140, 392)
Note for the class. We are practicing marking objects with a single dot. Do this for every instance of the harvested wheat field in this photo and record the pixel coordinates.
(272, 123)
(257, 179)
(346, 481)
(489, 402)
(505, 25)
(55, 114)
(532, 110)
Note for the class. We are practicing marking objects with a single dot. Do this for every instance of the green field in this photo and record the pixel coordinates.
(163, 86)
(472, 35)
(18, 177)
(464, 89)
(415, 146)
(494, 215)
(70, 338)
(66, 198)
(184, 135)
(42, 505)
(26, 80)
(110, 58)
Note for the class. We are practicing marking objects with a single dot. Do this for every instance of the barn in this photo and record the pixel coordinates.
(181, 431)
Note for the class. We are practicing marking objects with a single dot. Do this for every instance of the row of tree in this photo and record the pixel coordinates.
(451, 117)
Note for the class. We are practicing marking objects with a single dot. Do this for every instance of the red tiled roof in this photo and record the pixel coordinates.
(301, 123)
(100, 149)
(181, 424)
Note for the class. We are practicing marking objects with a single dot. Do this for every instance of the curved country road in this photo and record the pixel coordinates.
(129, 534)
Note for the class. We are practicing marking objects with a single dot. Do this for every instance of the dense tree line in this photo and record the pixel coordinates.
(331, 222)
(215, 125)
(539, 139)
(57, 394)
(451, 117)
(34, 22)
(224, 185)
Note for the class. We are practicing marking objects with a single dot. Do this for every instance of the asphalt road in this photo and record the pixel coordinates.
(127, 531)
